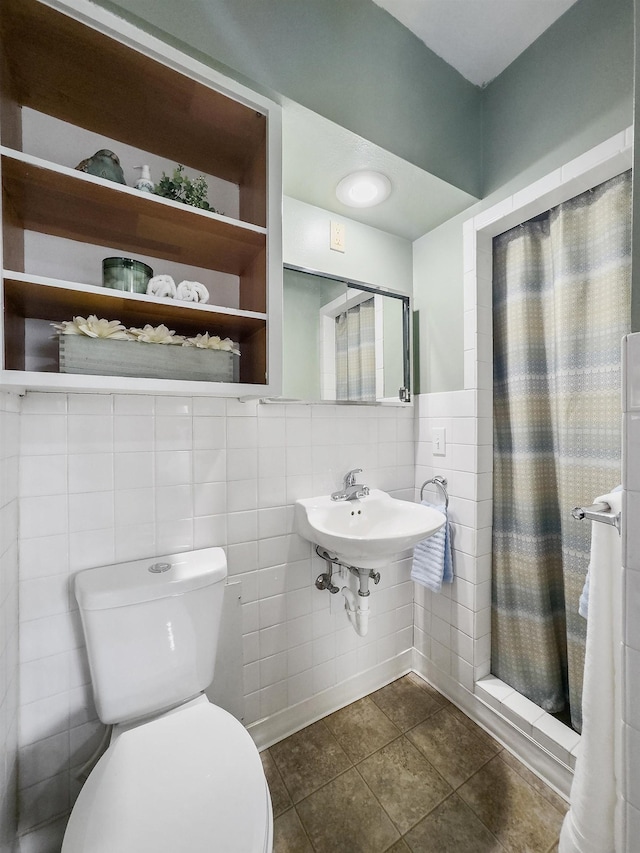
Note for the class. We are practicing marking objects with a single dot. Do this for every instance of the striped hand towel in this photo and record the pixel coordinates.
(432, 562)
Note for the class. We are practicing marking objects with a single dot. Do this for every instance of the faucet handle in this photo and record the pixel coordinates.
(350, 478)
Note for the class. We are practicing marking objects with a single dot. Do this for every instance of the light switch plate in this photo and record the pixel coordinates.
(439, 441)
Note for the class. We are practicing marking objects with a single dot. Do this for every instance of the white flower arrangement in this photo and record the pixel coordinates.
(93, 327)
(207, 341)
(158, 335)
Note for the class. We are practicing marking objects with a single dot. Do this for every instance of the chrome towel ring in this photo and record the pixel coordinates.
(441, 483)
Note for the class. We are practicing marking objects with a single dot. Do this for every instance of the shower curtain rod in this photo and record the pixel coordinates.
(597, 512)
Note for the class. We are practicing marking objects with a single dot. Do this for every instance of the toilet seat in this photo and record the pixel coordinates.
(189, 780)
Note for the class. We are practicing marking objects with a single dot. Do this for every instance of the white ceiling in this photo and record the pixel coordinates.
(479, 38)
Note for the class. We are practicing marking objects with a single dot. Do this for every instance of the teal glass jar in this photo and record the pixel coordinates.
(126, 274)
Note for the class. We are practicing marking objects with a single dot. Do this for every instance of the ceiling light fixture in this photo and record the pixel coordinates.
(363, 189)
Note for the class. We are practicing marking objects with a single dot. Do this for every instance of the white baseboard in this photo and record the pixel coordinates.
(534, 756)
(284, 723)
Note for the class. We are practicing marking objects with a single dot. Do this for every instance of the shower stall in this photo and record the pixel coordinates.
(470, 663)
(561, 306)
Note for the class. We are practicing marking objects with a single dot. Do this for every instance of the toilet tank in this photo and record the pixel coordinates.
(151, 628)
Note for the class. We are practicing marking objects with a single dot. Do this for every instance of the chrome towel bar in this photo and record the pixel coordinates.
(597, 512)
(441, 483)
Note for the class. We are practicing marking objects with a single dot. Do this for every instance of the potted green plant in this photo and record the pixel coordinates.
(180, 187)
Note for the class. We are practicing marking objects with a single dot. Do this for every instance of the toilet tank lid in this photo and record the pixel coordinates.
(137, 581)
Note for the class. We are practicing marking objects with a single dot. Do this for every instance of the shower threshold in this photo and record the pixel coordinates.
(543, 728)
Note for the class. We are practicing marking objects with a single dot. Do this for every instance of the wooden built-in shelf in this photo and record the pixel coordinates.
(47, 299)
(76, 206)
(88, 68)
(34, 298)
(65, 69)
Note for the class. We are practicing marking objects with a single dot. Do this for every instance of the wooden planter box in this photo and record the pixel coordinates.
(105, 357)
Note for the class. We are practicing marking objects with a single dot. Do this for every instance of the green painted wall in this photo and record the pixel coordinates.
(571, 90)
(438, 306)
(348, 60)
(572, 86)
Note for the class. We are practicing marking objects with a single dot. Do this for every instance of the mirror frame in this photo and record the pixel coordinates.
(404, 393)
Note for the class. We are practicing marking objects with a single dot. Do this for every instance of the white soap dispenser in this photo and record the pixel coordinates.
(144, 182)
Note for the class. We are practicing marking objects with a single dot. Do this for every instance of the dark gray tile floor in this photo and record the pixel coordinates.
(404, 770)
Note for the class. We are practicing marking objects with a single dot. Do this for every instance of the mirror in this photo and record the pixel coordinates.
(379, 252)
(344, 341)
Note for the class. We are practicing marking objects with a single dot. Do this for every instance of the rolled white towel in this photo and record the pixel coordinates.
(162, 286)
(192, 291)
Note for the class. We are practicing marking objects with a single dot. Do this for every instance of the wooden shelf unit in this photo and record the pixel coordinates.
(148, 96)
(59, 66)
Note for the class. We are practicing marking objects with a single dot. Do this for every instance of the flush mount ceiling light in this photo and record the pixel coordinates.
(363, 189)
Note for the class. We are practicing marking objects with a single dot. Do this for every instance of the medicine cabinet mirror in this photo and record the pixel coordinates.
(343, 340)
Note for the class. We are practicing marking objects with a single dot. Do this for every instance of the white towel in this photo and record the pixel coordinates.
(192, 291)
(161, 285)
(583, 604)
(592, 824)
(432, 562)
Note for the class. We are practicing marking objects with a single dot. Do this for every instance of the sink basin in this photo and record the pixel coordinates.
(368, 532)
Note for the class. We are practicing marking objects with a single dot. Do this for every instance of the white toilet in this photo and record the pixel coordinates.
(180, 774)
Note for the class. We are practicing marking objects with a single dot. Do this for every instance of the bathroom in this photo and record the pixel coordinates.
(89, 479)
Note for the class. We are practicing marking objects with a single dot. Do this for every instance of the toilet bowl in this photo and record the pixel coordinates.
(190, 780)
(180, 774)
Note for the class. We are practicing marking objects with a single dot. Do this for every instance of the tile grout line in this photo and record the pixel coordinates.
(304, 829)
(402, 834)
(479, 815)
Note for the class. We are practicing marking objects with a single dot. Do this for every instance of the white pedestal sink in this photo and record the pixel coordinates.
(367, 532)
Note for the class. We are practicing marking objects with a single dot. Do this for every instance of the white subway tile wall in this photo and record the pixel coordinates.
(9, 663)
(631, 584)
(452, 628)
(109, 478)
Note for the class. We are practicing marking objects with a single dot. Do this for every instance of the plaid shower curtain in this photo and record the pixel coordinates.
(561, 304)
(356, 353)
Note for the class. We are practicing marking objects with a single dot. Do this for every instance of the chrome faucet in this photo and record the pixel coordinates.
(351, 489)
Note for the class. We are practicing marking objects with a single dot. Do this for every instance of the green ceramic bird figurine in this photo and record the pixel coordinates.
(103, 164)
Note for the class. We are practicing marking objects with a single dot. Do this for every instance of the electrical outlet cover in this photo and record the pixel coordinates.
(338, 234)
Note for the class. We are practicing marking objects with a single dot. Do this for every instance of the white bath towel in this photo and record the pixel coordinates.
(592, 824)
(192, 291)
(161, 285)
(432, 562)
(583, 604)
